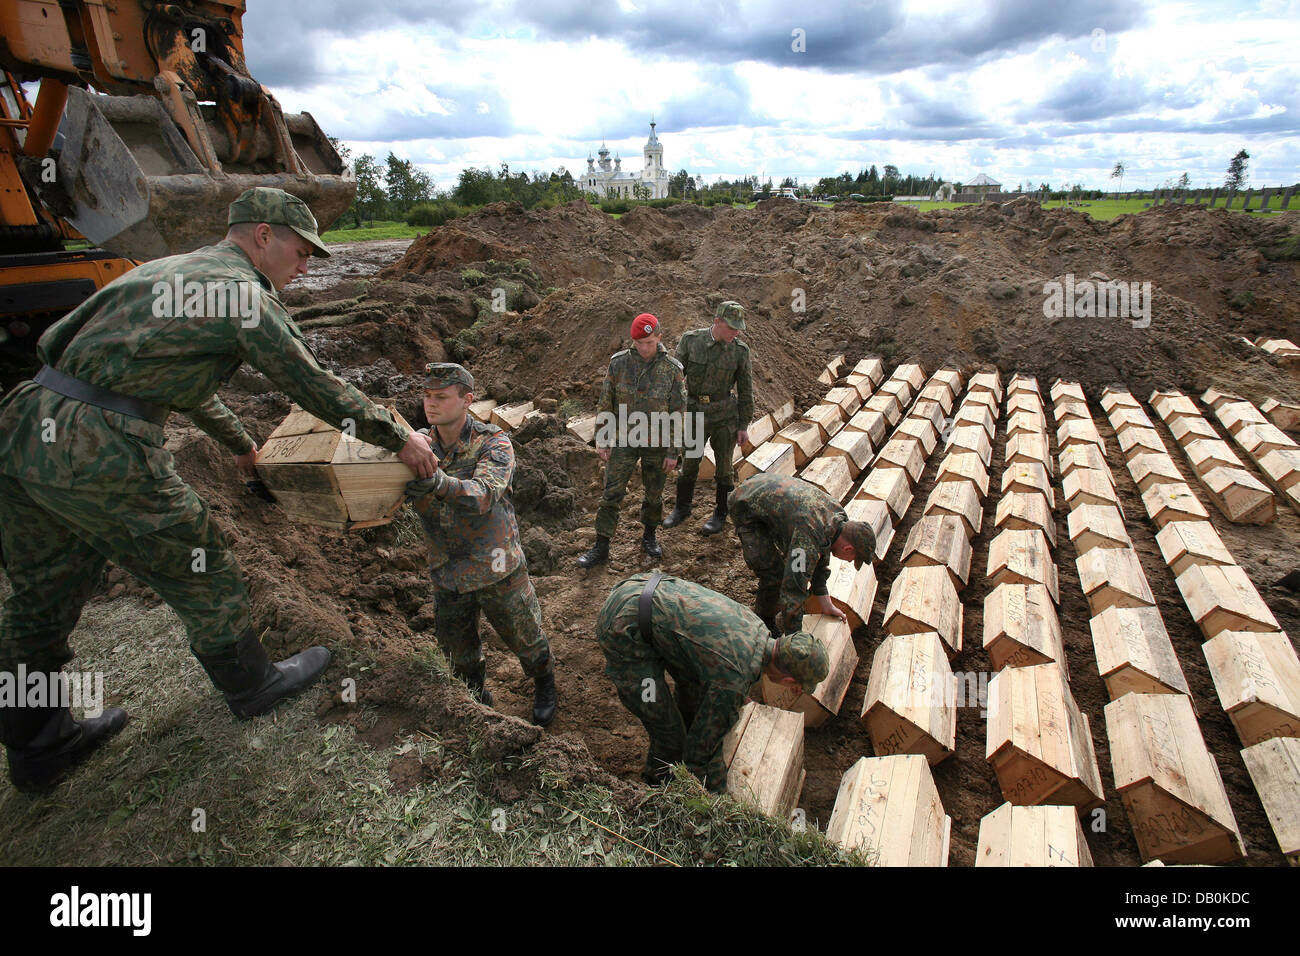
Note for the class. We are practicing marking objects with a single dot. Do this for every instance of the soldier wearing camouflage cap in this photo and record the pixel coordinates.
(475, 559)
(85, 479)
(714, 649)
(716, 362)
(788, 530)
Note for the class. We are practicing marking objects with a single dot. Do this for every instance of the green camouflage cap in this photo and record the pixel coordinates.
(733, 313)
(863, 539)
(265, 204)
(803, 657)
(442, 374)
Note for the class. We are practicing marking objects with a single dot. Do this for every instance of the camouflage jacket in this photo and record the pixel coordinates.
(701, 636)
(636, 385)
(147, 336)
(801, 520)
(712, 368)
(473, 534)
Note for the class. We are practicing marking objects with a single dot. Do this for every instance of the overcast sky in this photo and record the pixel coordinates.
(1022, 90)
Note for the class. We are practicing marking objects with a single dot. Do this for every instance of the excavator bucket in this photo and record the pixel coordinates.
(129, 181)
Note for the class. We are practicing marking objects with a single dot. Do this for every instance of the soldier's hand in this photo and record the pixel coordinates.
(603, 453)
(247, 462)
(670, 464)
(828, 606)
(419, 455)
(742, 436)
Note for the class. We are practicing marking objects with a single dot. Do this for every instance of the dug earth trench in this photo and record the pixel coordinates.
(534, 303)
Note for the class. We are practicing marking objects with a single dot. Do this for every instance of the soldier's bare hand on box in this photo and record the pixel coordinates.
(247, 462)
(828, 606)
(670, 464)
(417, 453)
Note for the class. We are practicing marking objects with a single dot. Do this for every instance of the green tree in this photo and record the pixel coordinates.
(1118, 173)
(1184, 181)
(1236, 177)
(370, 199)
(406, 184)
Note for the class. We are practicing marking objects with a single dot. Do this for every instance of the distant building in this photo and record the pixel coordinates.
(944, 193)
(982, 185)
(608, 180)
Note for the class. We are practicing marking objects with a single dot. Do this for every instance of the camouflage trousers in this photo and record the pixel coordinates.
(511, 606)
(764, 557)
(54, 543)
(618, 472)
(638, 674)
(721, 435)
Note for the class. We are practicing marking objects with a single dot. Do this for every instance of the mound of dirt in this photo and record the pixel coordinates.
(534, 303)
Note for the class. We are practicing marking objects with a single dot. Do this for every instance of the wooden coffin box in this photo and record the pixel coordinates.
(1184, 543)
(1171, 502)
(886, 403)
(804, 437)
(924, 599)
(1088, 486)
(1257, 677)
(582, 427)
(960, 499)
(987, 382)
(1021, 628)
(1113, 577)
(891, 486)
(871, 421)
(1029, 477)
(1022, 511)
(1038, 741)
(1086, 455)
(772, 458)
(1134, 653)
(1032, 836)
(911, 702)
(904, 453)
(940, 540)
(510, 417)
(1168, 781)
(1063, 389)
(1112, 399)
(1285, 415)
(854, 447)
(1153, 468)
(831, 474)
(1139, 441)
(1097, 526)
(876, 514)
(1242, 497)
(921, 429)
(761, 429)
(888, 808)
(764, 758)
(964, 466)
(846, 398)
(1023, 557)
(1274, 767)
(825, 700)
(852, 589)
(1222, 598)
(323, 477)
(829, 417)
(873, 368)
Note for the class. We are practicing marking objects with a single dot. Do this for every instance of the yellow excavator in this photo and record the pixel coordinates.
(145, 126)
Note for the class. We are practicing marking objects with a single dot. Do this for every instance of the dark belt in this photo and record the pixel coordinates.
(706, 399)
(56, 381)
(643, 622)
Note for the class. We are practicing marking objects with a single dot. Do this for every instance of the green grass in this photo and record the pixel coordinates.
(375, 230)
(291, 789)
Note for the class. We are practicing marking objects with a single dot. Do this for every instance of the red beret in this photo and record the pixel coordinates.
(643, 325)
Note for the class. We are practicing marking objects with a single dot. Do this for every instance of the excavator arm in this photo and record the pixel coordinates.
(146, 126)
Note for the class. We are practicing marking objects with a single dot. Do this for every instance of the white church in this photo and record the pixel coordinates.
(608, 180)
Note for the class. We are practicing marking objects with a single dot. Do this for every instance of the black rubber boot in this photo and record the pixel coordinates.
(44, 743)
(649, 545)
(658, 768)
(598, 554)
(719, 518)
(544, 699)
(477, 684)
(682, 508)
(253, 685)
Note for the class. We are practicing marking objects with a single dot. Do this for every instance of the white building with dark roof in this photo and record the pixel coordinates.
(609, 181)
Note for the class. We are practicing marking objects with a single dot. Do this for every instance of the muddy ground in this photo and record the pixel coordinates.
(961, 287)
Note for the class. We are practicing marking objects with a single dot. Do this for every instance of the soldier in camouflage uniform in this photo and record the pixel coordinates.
(714, 649)
(84, 477)
(641, 382)
(474, 557)
(788, 530)
(715, 362)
